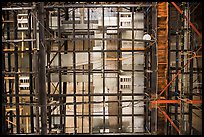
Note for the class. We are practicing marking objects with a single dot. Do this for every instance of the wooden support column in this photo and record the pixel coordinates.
(162, 55)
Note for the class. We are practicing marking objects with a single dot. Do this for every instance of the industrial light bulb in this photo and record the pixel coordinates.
(146, 37)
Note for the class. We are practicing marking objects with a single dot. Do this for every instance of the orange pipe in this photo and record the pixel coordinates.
(172, 123)
(191, 24)
(176, 101)
(180, 71)
(190, 58)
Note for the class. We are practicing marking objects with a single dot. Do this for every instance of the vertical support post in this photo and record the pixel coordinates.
(181, 121)
(133, 69)
(191, 83)
(48, 43)
(82, 117)
(118, 74)
(59, 64)
(16, 75)
(177, 69)
(169, 95)
(89, 69)
(74, 72)
(27, 123)
(30, 70)
(66, 41)
(146, 75)
(35, 66)
(42, 70)
(154, 69)
(103, 69)
(9, 69)
(4, 127)
(64, 106)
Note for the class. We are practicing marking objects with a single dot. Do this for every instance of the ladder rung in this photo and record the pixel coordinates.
(8, 49)
(198, 56)
(7, 21)
(9, 77)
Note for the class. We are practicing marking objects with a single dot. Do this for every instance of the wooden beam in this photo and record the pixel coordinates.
(8, 49)
(9, 78)
(10, 122)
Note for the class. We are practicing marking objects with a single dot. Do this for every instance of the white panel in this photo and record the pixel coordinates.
(67, 59)
(139, 124)
(81, 59)
(108, 21)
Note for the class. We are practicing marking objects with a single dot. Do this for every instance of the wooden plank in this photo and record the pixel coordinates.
(7, 21)
(6, 78)
(8, 49)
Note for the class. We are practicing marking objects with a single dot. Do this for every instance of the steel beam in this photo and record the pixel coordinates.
(18, 8)
(89, 69)
(133, 63)
(154, 70)
(103, 68)
(35, 67)
(118, 74)
(9, 68)
(16, 75)
(48, 51)
(4, 127)
(74, 72)
(59, 73)
(42, 70)
(98, 6)
(169, 77)
(30, 75)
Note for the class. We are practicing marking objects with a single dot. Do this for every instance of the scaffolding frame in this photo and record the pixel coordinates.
(40, 73)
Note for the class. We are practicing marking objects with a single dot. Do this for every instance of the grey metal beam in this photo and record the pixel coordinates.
(191, 87)
(42, 70)
(74, 74)
(35, 67)
(59, 64)
(4, 127)
(169, 94)
(98, 6)
(103, 68)
(18, 8)
(154, 70)
(48, 51)
(30, 75)
(9, 68)
(118, 74)
(133, 62)
(89, 69)
(16, 75)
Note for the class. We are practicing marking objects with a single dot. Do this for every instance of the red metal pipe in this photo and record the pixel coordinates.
(172, 123)
(180, 71)
(176, 101)
(191, 24)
